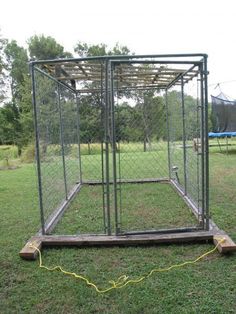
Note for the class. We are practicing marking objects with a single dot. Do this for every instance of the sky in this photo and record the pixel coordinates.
(145, 27)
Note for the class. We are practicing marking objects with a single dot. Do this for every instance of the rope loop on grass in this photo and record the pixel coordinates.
(123, 281)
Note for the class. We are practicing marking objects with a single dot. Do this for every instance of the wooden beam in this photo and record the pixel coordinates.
(139, 73)
(103, 240)
(80, 78)
(123, 88)
(228, 245)
(84, 72)
(85, 65)
(149, 180)
(29, 252)
(215, 235)
(127, 67)
(98, 240)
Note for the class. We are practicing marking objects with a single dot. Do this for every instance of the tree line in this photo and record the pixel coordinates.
(144, 120)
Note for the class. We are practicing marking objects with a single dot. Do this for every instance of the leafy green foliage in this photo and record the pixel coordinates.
(42, 48)
(140, 117)
(10, 126)
(17, 66)
(16, 116)
(87, 50)
(2, 67)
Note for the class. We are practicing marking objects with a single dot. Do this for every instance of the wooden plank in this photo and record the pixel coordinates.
(145, 68)
(29, 252)
(148, 180)
(104, 240)
(228, 245)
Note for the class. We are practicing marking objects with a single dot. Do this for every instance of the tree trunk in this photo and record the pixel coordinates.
(89, 148)
(144, 145)
(19, 150)
(44, 148)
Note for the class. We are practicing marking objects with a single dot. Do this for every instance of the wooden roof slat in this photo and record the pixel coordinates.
(125, 75)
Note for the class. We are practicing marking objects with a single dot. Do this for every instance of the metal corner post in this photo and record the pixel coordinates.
(113, 139)
(40, 191)
(203, 136)
(78, 135)
(184, 136)
(168, 132)
(107, 141)
(102, 147)
(206, 143)
(62, 139)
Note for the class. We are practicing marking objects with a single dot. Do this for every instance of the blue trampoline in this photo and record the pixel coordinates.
(223, 119)
(221, 134)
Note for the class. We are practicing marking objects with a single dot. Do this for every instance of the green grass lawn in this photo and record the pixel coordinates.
(144, 207)
(206, 287)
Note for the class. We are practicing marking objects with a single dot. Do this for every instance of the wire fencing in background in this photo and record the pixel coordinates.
(141, 137)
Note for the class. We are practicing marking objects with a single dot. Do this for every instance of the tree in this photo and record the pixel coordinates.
(17, 114)
(91, 105)
(127, 123)
(26, 111)
(151, 120)
(17, 67)
(2, 66)
(86, 50)
(90, 121)
(10, 126)
(42, 48)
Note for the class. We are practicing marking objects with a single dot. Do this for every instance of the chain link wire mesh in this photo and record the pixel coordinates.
(185, 125)
(91, 136)
(141, 145)
(58, 142)
(115, 143)
(141, 137)
(193, 134)
(69, 137)
(176, 136)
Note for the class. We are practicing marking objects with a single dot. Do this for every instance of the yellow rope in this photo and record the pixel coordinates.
(123, 281)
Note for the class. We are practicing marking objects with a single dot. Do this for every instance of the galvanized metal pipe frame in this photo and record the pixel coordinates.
(102, 148)
(78, 137)
(183, 191)
(110, 63)
(107, 142)
(184, 136)
(37, 149)
(204, 219)
(123, 57)
(47, 225)
(206, 152)
(205, 134)
(62, 140)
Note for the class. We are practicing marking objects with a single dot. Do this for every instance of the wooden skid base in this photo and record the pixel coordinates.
(227, 245)
(103, 240)
(29, 252)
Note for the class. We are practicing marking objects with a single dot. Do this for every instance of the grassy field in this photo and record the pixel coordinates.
(206, 287)
(144, 206)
